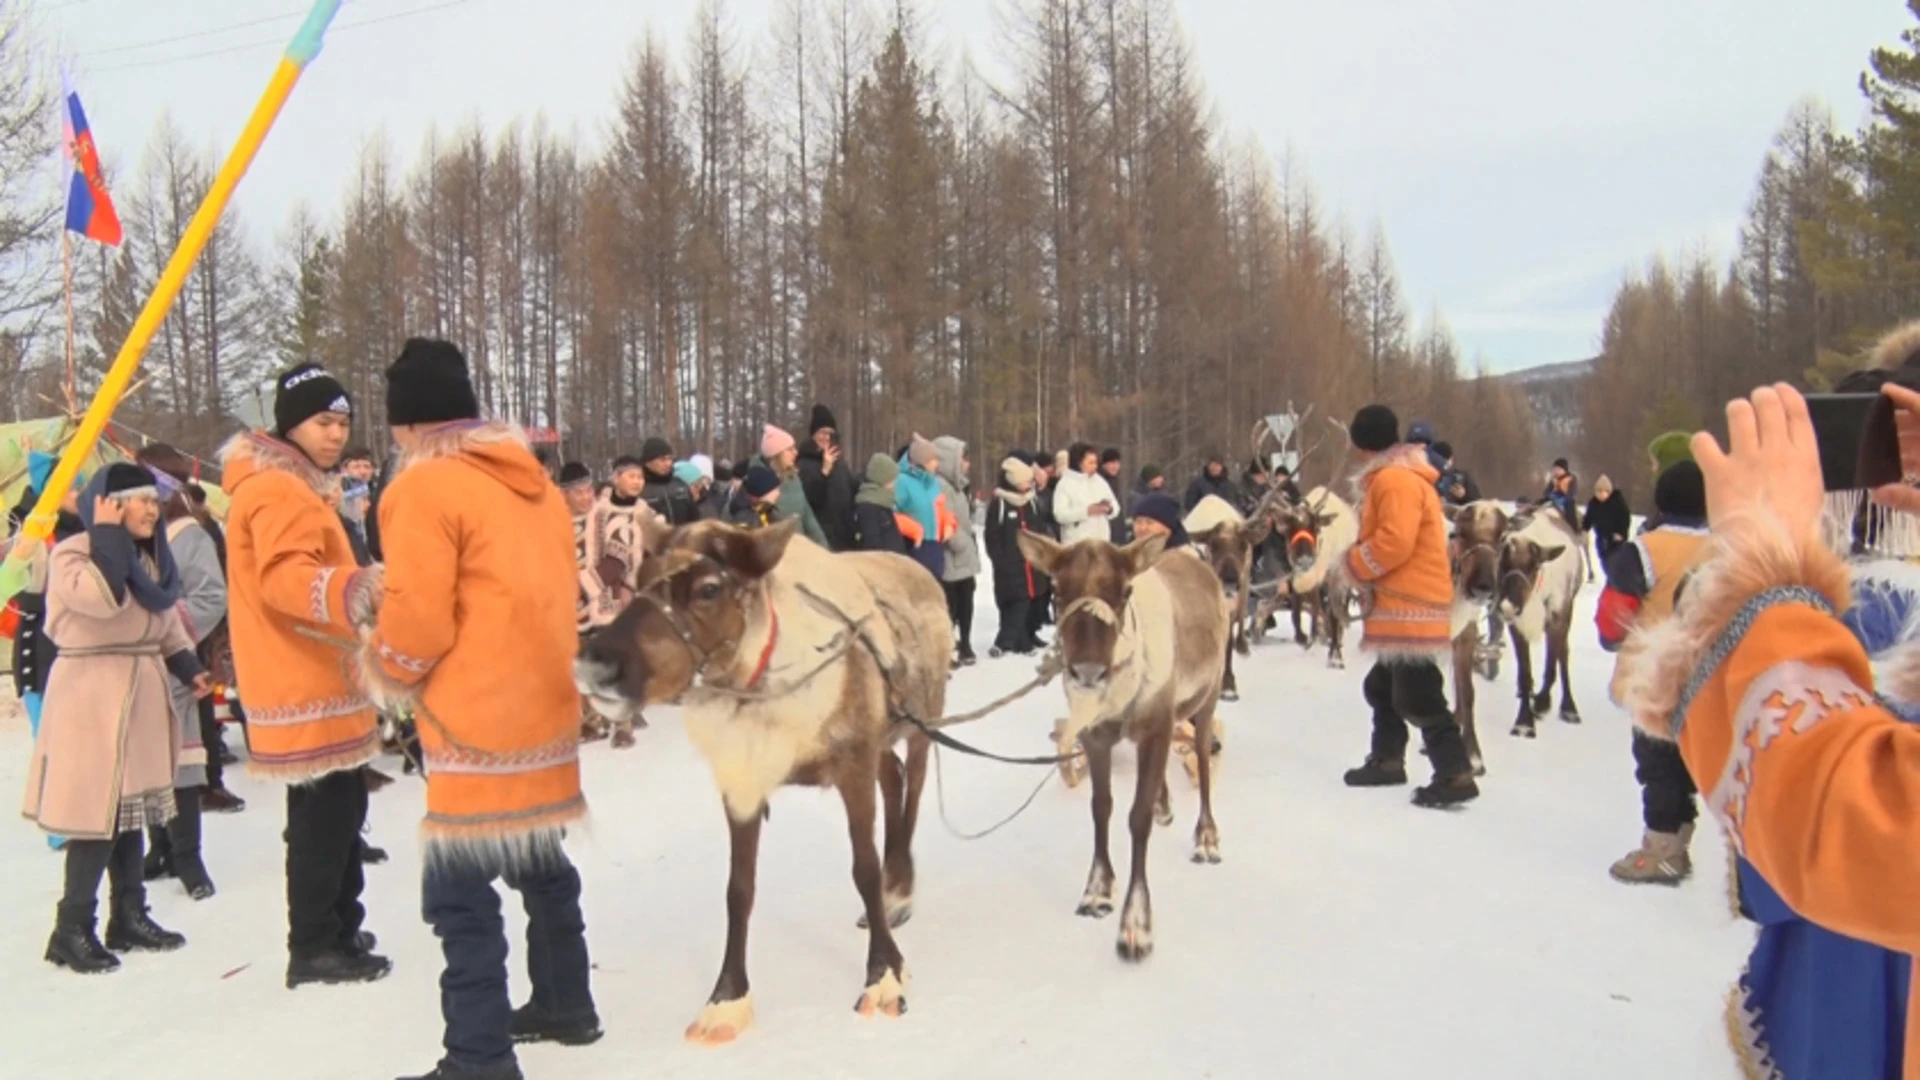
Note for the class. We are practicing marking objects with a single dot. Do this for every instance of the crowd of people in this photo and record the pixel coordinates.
(331, 590)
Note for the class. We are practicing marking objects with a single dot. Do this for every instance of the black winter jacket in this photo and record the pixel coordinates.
(671, 499)
(1014, 579)
(1204, 485)
(1607, 519)
(875, 529)
(830, 494)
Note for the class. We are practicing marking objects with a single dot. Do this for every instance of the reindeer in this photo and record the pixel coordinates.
(1229, 541)
(796, 667)
(1478, 529)
(1318, 533)
(1541, 571)
(1139, 634)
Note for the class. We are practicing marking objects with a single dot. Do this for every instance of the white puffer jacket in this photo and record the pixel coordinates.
(1074, 498)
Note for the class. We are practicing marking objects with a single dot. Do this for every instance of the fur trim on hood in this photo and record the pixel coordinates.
(1406, 456)
(1899, 345)
(256, 451)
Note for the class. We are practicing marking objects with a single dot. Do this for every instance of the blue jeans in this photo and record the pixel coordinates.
(33, 701)
(459, 901)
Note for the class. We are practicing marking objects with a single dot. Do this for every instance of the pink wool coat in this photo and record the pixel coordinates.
(106, 730)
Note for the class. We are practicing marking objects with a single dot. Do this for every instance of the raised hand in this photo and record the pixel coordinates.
(108, 511)
(1770, 475)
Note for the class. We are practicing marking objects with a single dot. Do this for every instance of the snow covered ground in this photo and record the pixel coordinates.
(1347, 934)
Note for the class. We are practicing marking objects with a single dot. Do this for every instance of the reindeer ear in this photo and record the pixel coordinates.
(1452, 512)
(753, 553)
(1207, 538)
(1143, 553)
(1549, 554)
(1042, 552)
(1326, 519)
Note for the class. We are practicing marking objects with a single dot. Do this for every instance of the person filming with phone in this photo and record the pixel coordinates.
(1771, 698)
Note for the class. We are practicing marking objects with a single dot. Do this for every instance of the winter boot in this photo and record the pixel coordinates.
(531, 1025)
(337, 968)
(1378, 772)
(967, 659)
(73, 944)
(159, 861)
(1447, 791)
(218, 800)
(183, 836)
(1661, 859)
(448, 1070)
(131, 929)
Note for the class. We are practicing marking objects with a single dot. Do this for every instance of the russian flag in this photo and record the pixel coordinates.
(89, 207)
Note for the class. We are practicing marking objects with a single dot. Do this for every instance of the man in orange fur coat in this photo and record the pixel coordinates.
(1401, 560)
(480, 566)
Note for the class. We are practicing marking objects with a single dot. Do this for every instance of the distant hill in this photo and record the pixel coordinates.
(1554, 392)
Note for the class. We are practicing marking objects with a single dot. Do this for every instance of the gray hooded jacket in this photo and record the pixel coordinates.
(963, 548)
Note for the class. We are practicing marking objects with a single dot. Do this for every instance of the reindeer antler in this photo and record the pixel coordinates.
(1346, 451)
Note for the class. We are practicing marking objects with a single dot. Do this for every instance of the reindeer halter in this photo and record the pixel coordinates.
(658, 596)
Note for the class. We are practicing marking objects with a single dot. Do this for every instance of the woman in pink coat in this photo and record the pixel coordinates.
(103, 764)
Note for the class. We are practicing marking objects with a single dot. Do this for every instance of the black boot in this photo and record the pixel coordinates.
(183, 833)
(131, 929)
(1447, 791)
(1378, 772)
(447, 1070)
(73, 944)
(159, 861)
(337, 968)
(531, 1025)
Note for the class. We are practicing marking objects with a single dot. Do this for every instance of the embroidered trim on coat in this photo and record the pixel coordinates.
(321, 582)
(1731, 637)
(413, 665)
(472, 762)
(307, 712)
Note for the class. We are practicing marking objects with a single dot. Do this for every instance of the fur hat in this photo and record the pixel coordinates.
(1062, 463)
(1018, 473)
(573, 474)
(882, 470)
(775, 441)
(760, 483)
(1898, 348)
(429, 384)
(305, 392)
(822, 419)
(1681, 491)
(654, 449)
(1375, 429)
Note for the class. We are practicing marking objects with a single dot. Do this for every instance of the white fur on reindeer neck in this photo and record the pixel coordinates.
(1559, 580)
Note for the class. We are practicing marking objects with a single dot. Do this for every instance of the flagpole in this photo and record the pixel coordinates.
(66, 263)
(300, 52)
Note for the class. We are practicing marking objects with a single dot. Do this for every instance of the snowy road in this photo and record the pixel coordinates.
(1346, 935)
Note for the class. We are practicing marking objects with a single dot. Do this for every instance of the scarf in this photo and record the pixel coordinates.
(1014, 498)
(154, 578)
(872, 494)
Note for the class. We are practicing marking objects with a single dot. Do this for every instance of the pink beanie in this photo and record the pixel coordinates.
(775, 442)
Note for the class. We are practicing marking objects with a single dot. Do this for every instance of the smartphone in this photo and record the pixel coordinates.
(1859, 444)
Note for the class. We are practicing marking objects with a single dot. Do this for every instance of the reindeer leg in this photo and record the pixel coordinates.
(1097, 901)
(1136, 918)
(1298, 604)
(1466, 651)
(1206, 835)
(729, 1011)
(1569, 712)
(1229, 690)
(900, 786)
(1336, 637)
(885, 993)
(1523, 673)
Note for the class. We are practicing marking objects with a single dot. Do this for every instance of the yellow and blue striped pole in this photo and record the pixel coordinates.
(300, 52)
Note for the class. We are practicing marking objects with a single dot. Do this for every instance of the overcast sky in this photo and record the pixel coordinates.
(1521, 155)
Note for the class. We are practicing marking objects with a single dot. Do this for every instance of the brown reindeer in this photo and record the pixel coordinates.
(1140, 634)
(1318, 532)
(1541, 570)
(795, 667)
(1228, 541)
(1478, 529)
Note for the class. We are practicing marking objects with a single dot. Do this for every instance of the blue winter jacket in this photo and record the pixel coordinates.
(916, 494)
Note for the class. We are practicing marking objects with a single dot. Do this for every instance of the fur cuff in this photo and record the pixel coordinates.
(387, 693)
(364, 590)
(1664, 664)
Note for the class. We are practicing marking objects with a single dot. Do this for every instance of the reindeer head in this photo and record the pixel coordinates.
(1301, 525)
(1230, 546)
(1522, 560)
(689, 614)
(1092, 582)
(1479, 531)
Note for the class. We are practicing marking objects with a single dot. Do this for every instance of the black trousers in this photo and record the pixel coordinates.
(459, 901)
(324, 874)
(88, 861)
(1015, 635)
(1414, 692)
(212, 738)
(960, 609)
(1666, 788)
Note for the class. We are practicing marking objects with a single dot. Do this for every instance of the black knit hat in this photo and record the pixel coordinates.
(761, 482)
(1561, 463)
(1444, 449)
(1110, 456)
(574, 474)
(822, 418)
(1681, 491)
(305, 392)
(429, 384)
(722, 472)
(122, 478)
(1375, 429)
(655, 448)
(1149, 474)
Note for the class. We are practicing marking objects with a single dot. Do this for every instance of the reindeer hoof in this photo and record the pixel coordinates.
(1542, 705)
(623, 739)
(1337, 663)
(1479, 768)
(721, 1022)
(1569, 714)
(1135, 943)
(1228, 693)
(1525, 731)
(898, 912)
(1094, 907)
(888, 997)
(1206, 850)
